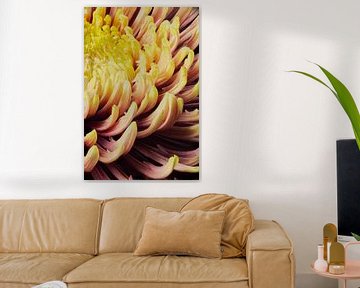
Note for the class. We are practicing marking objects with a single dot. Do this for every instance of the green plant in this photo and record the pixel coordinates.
(344, 97)
(356, 236)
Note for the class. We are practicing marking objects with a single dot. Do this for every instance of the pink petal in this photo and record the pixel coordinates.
(122, 123)
(120, 147)
(151, 171)
(106, 124)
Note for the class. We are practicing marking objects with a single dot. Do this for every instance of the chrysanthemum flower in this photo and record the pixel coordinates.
(141, 93)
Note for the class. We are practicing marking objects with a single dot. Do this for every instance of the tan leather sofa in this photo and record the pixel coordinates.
(89, 243)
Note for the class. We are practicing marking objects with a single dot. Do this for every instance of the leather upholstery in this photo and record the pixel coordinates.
(15, 285)
(193, 233)
(242, 284)
(68, 226)
(41, 226)
(36, 268)
(239, 220)
(125, 267)
(269, 256)
(123, 218)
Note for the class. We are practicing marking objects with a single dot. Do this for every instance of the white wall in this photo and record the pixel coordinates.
(266, 135)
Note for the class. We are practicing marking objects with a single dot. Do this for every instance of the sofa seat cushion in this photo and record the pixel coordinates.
(36, 268)
(125, 267)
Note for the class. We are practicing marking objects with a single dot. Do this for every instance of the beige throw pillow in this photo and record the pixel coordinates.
(194, 232)
(239, 221)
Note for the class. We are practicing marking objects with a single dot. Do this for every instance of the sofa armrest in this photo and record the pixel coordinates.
(269, 256)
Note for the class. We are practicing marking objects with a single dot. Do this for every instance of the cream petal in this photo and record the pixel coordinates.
(90, 138)
(189, 93)
(109, 122)
(91, 158)
(122, 123)
(120, 147)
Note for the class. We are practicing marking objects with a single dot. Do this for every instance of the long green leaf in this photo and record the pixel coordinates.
(316, 79)
(357, 237)
(347, 102)
(344, 97)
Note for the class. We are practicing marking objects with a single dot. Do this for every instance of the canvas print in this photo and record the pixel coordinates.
(141, 93)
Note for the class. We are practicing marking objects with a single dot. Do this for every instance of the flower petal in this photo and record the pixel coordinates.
(106, 124)
(174, 35)
(188, 157)
(151, 171)
(186, 168)
(156, 155)
(190, 133)
(130, 12)
(180, 56)
(91, 158)
(106, 91)
(113, 99)
(166, 64)
(193, 73)
(159, 14)
(120, 20)
(119, 147)
(87, 13)
(190, 36)
(91, 105)
(149, 101)
(177, 82)
(185, 21)
(122, 123)
(139, 88)
(147, 33)
(189, 93)
(99, 174)
(189, 117)
(125, 99)
(171, 12)
(140, 17)
(90, 138)
(117, 172)
(163, 117)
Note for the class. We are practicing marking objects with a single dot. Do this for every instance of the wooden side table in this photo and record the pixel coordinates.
(352, 268)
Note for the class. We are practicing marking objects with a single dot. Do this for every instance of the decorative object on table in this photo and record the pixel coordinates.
(320, 264)
(350, 270)
(344, 97)
(141, 93)
(337, 258)
(52, 284)
(329, 236)
(336, 269)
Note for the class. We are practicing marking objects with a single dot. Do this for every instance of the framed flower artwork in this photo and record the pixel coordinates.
(141, 93)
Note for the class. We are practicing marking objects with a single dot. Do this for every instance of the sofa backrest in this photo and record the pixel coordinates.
(123, 220)
(68, 226)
